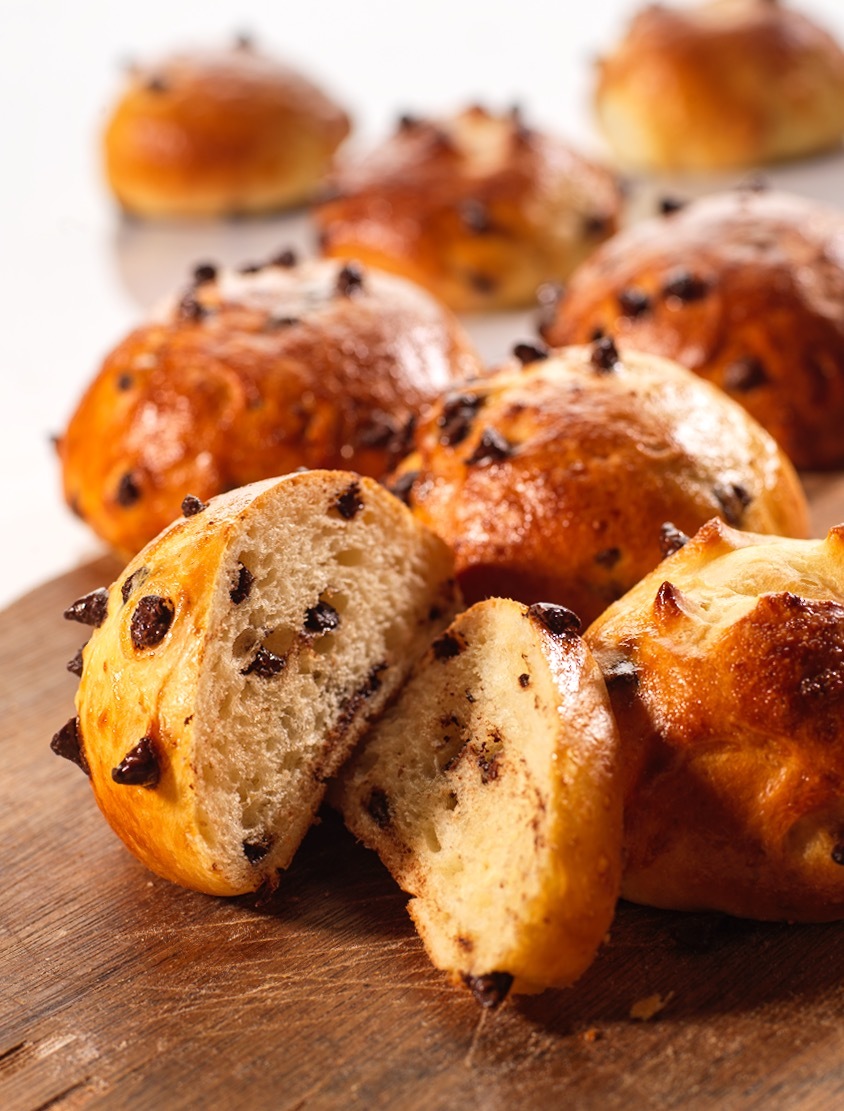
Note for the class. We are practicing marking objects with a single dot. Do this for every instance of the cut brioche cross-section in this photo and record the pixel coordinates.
(241, 655)
(489, 789)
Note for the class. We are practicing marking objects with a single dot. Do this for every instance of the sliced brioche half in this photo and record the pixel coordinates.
(236, 662)
(489, 789)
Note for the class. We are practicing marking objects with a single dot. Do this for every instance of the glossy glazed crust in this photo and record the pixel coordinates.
(726, 674)
(478, 208)
(763, 317)
(250, 376)
(724, 84)
(219, 133)
(588, 466)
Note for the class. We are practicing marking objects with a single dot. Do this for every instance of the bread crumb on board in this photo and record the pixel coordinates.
(645, 1009)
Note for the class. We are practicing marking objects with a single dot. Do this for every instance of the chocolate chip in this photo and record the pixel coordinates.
(257, 848)
(475, 215)
(488, 763)
(204, 272)
(608, 557)
(157, 84)
(75, 666)
(528, 353)
(191, 505)
(265, 664)
(286, 259)
(378, 807)
(128, 490)
(559, 621)
(683, 285)
(408, 122)
(67, 743)
(596, 224)
(190, 308)
(446, 647)
(250, 268)
(243, 585)
(456, 417)
(670, 205)
(350, 280)
(491, 448)
(380, 431)
(132, 581)
(124, 382)
(151, 621)
(90, 609)
(733, 499)
(604, 357)
(633, 302)
(596, 334)
(140, 767)
(524, 679)
(837, 853)
(490, 990)
(671, 539)
(321, 618)
(482, 283)
(349, 503)
(745, 374)
(402, 486)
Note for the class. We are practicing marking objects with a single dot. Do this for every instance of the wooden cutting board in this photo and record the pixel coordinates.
(120, 990)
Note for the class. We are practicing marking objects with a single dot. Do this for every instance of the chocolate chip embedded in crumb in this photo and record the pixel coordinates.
(837, 853)
(124, 382)
(683, 285)
(204, 272)
(378, 807)
(350, 280)
(243, 586)
(733, 500)
(128, 490)
(140, 767)
(76, 665)
(446, 647)
(132, 582)
(402, 486)
(491, 989)
(321, 618)
(633, 302)
(265, 664)
(349, 503)
(671, 539)
(559, 621)
(151, 621)
(67, 743)
(285, 259)
(524, 679)
(608, 557)
(191, 505)
(605, 357)
(456, 417)
(90, 609)
(528, 353)
(744, 375)
(491, 448)
(257, 848)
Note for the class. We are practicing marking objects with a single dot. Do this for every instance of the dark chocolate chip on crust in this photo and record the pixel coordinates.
(124, 382)
(733, 500)
(265, 664)
(151, 620)
(482, 283)
(745, 374)
(682, 285)
(140, 767)
(204, 272)
(837, 853)
(243, 586)
(491, 448)
(633, 302)
(605, 357)
(349, 503)
(132, 582)
(456, 417)
(377, 807)
(559, 621)
(669, 205)
(190, 308)
(128, 490)
(67, 743)
(191, 505)
(524, 679)
(671, 539)
(321, 618)
(528, 353)
(350, 280)
(90, 609)
(475, 215)
(285, 259)
(76, 665)
(446, 647)
(608, 557)
(256, 848)
(402, 486)
(491, 989)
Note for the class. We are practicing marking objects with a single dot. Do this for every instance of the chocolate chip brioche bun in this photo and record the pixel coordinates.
(722, 84)
(250, 375)
(745, 288)
(215, 133)
(551, 480)
(477, 207)
(236, 661)
(726, 673)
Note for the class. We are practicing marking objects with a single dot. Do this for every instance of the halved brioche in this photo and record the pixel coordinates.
(490, 792)
(238, 659)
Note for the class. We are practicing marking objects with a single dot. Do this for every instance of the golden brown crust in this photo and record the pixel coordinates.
(551, 482)
(216, 133)
(726, 673)
(729, 83)
(744, 288)
(477, 208)
(254, 375)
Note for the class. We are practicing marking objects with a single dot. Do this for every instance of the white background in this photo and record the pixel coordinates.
(74, 278)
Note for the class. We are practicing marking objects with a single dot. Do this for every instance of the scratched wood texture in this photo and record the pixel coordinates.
(120, 990)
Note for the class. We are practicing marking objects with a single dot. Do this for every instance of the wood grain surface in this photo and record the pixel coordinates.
(120, 990)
